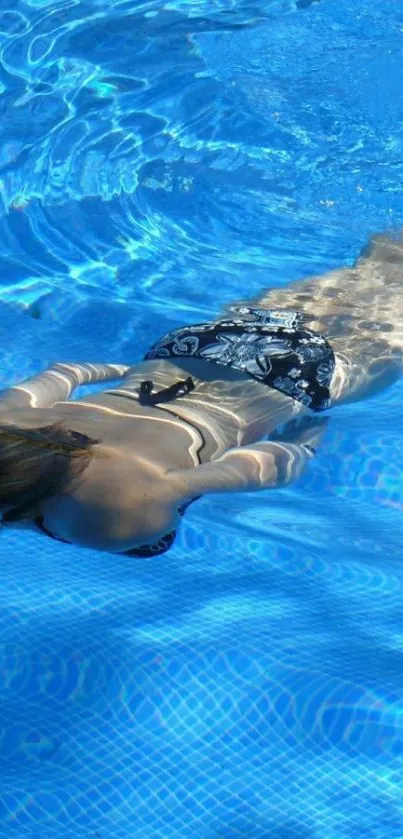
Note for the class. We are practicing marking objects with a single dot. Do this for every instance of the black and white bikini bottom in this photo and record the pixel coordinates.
(272, 347)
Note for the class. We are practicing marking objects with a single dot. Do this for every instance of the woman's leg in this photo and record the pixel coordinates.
(367, 289)
(359, 310)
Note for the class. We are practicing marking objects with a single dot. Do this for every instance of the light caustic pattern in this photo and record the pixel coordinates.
(155, 163)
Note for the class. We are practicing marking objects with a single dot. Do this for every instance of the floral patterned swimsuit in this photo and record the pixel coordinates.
(272, 347)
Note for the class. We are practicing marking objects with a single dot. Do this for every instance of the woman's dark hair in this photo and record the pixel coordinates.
(36, 464)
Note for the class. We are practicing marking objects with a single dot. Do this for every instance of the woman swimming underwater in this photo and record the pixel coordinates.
(115, 471)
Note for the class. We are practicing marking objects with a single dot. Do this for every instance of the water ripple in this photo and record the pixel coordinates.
(141, 142)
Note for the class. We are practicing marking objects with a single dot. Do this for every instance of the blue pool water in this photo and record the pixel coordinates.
(157, 162)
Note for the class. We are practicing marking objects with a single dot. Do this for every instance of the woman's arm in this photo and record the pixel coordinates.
(264, 465)
(57, 384)
(260, 466)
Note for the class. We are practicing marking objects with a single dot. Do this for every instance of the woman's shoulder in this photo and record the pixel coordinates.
(118, 497)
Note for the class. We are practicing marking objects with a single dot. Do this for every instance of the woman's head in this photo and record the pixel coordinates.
(37, 463)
